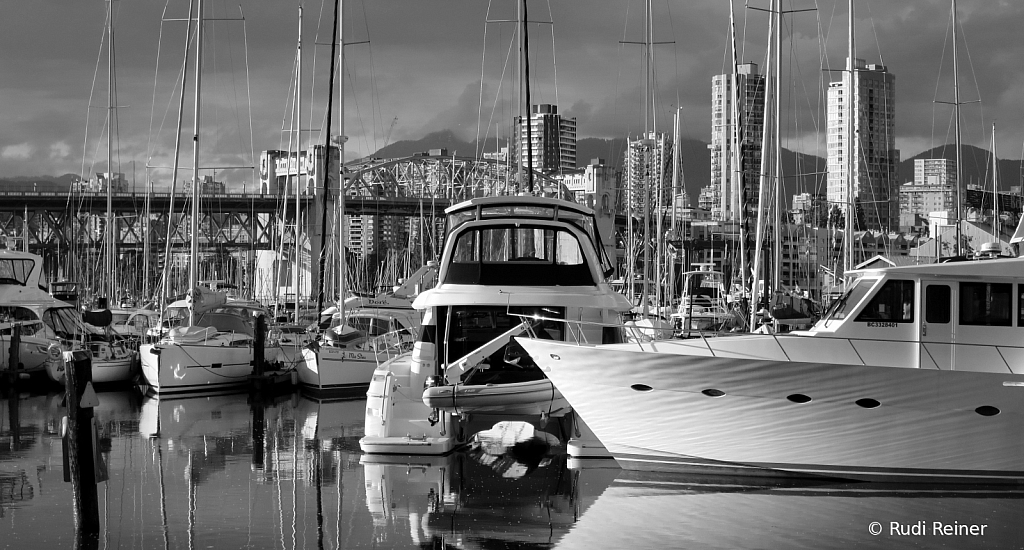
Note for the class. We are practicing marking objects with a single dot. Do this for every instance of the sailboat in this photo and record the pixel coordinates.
(211, 342)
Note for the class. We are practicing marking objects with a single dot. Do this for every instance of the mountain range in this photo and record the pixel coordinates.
(802, 172)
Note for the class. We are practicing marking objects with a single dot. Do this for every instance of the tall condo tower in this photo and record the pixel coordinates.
(554, 140)
(730, 192)
(649, 172)
(875, 179)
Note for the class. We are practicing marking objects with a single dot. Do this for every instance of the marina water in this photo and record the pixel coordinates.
(231, 471)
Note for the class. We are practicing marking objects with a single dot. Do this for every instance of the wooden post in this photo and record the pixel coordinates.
(14, 364)
(81, 461)
(259, 345)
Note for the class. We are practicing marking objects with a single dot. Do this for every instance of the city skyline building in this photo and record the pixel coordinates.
(552, 140)
(647, 178)
(730, 193)
(874, 179)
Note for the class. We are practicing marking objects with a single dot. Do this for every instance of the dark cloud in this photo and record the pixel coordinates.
(420, 71)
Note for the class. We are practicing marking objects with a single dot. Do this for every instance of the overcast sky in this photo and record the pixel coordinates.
(422, 68)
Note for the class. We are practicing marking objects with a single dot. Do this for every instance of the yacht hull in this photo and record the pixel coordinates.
(177, 367)
(736, 416)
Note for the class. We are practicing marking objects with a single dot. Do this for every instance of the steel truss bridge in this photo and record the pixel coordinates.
(56, 224)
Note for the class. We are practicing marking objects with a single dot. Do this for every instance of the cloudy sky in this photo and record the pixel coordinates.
(417, 66)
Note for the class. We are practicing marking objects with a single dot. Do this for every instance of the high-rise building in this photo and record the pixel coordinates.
(933, 188)
(874, 180)
(553, 140)
(648, 174)
(729, 193)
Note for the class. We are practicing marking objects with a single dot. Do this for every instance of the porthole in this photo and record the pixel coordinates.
(641, 387)
(711, 392)
(987, 410)
(799, 398)
(867, 403)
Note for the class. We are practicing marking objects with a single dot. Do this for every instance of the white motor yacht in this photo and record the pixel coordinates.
(50, 326)
(915, 374)
(510, 264)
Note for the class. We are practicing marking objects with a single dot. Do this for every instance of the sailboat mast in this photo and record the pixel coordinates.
(737, 181)
(342, 228)
(649, 153)
(322, 267)
(995, 190)
(177, 157)
(193, 268)
(778, 187)
(769, 91)
(109, 258)
(298, 164)
(529, 105)
(851, 149)
(959, 152)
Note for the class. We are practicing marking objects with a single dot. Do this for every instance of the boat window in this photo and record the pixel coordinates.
(985, 304)
(1020, 305)
(65, 321)
(843, 306)
(937, 304)
(374, 326)
(518, 255)
(15, 271)
(893, 302)
(9, 314)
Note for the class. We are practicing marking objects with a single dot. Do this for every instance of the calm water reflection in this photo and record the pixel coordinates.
(221, 472)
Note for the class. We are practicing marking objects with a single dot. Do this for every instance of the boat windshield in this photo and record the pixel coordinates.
(15, 271)
(520, 255)
(585, 222)
(843, 306)
(65, 321)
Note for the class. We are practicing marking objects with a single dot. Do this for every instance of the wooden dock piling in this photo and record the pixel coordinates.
(80, 445)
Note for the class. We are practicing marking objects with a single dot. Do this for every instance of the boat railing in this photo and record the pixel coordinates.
(578, 338)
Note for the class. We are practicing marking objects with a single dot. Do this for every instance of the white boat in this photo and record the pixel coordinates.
(215, 352)
(367, 332)
(50, 326)
(506, 260)
(703, 307)
(915, 374)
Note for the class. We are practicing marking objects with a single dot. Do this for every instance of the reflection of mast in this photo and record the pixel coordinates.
(189, 476)
(163, 497)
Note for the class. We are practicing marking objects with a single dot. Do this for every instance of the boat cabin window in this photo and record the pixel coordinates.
(893, 302)
(937, 304)
(843, 306)
(15, 271)
(986, 304)
(65, 321)
(1020, 305)
(374, 326)
(518, 255)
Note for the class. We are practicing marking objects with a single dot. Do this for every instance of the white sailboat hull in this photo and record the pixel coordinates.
(169, 367)
(339, 370)
(663, 412)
